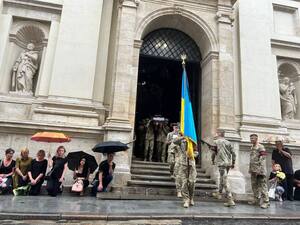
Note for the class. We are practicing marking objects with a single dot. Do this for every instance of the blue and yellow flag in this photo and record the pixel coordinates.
(187, 124)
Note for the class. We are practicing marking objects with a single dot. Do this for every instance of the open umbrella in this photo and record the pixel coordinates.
(53, 137)
(110, 147)
(75, 157)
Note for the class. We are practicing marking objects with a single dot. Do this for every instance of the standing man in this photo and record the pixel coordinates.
(225, 159)
(171, 147)
(258, 171)
(283, 156)
(161, 142)
(149, 141)
(187, 172)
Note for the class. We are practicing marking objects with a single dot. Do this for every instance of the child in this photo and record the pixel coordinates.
(277, 179)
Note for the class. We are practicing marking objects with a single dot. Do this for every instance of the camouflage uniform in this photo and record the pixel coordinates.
(149, 142)
(161, 143)
(177, 156)
(224, 159)
(187, 172)
(171, 150)
(257, 169)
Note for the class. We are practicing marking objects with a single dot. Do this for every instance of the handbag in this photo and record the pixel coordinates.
(77, 186)
(272, 190)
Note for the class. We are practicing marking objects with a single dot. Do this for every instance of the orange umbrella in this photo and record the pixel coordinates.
(54, 137)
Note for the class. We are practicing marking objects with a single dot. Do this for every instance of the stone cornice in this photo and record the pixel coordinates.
(34, 4)
(129, 3)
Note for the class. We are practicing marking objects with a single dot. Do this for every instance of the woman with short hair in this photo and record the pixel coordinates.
(57, 173)
(36, 172)
(7, 167)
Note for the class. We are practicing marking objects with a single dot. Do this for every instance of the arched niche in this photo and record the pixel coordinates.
(21, 34)
(290, 69)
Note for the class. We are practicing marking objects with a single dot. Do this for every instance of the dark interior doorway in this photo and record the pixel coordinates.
(159, 81)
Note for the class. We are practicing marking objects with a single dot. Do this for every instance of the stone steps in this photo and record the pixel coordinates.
(158, 167)
(160, 172)
(151, 193)
(164, 184)
(167, 178)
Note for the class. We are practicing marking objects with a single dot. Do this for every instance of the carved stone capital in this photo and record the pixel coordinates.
(129, 3)
(225, 17)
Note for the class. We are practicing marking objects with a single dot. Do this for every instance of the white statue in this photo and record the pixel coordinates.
(24, 70)
(288, 98)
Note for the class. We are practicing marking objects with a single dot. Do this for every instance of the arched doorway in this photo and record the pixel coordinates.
(159, 81)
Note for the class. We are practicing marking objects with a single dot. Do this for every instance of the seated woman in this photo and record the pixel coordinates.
(278, 179)
(36, 172)
(104, 175)
(297, 185)
(57, 173)
(7, 167)
(82, 173)
(23, 164)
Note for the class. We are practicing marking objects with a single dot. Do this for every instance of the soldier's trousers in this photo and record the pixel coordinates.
(161, 149)
(171, 161)
(259, 187)
(178, 180)
(223, 184)
(149, 145)
(188, 176)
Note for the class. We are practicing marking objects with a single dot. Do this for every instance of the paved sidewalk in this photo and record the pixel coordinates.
(44, 207)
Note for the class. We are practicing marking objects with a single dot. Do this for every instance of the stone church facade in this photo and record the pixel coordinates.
(81, 63)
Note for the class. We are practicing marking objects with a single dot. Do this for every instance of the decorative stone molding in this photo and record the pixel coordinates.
(211, 55)
(138, 44)
(24, 32)
(129, 3)
(225, 17)
(207, 30)
(178, 9)
(34, 4)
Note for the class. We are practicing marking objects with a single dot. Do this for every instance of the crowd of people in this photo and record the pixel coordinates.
(25, 175)
(282, 183)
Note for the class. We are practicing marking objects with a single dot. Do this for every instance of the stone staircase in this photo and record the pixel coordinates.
(151, 180)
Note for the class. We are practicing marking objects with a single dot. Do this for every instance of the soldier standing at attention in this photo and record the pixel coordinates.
(225, 159)
(161, 142)
(187, 172)
(257, 169)
(149, 141)
(171, 148)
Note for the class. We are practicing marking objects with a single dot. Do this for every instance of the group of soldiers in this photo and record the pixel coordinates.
(152, 134)
(183, 168)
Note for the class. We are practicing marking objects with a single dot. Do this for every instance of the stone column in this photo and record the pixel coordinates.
(49, 53)
(118, 125)
(226, 87)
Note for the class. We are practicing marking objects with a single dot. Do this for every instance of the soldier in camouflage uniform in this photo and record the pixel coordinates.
(178, 180)
(225, 159)
(187, 172)
(257, 169)
(172, 148)
(149, 141)
(161, 142)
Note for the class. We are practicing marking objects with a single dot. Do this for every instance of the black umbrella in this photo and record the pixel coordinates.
(110, 147)
(75, 157)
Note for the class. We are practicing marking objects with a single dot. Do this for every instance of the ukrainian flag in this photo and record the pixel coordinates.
(187, 124)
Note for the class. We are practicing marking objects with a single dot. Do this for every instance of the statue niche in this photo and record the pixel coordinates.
(24, 70)
(288, 99)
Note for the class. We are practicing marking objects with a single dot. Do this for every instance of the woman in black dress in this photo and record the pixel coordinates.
(7, 167)
(82, 172)
(57, 173)
(37, 172)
